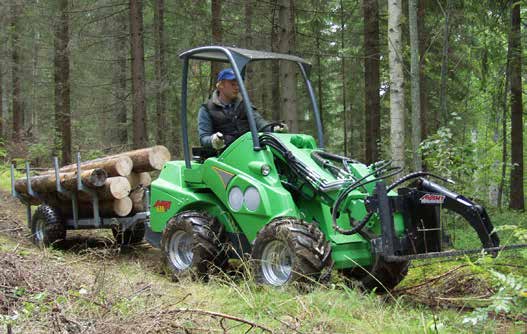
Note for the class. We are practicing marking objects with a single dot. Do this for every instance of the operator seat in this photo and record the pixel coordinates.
(200, 153)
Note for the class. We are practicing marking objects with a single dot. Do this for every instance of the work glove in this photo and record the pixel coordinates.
(282, 128)
(217, 141)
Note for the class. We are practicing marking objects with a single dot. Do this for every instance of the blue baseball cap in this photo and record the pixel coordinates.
(226, 74)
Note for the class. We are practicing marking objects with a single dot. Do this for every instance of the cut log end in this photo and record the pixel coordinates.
(122, 207)
(119, 187)
(123, 166)
(159, 156)
(98, 177)
(137, 179)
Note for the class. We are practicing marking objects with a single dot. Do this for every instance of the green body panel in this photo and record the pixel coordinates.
(206, 187)
(171, 195)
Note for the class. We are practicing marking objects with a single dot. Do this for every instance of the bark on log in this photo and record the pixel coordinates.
(91, 178)
(39, 183)
(137, 198)
(149, 159)
(46, 183)
(107, 208)
(137, 179)
(121, 207)
(114, 188)
(113, 165)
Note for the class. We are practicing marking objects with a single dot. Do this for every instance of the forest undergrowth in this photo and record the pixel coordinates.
(88, 284)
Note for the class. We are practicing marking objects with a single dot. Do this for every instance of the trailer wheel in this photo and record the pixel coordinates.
(382, 276)
(193, 243)
(130, 236)
(46, 226)
(290, 250)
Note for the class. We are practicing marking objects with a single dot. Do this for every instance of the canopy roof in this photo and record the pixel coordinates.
(219, 53)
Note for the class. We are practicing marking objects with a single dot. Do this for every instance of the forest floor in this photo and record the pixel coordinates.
(90, 285)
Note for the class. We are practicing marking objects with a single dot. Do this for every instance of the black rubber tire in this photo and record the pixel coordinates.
(209, 250)
(131, 236)
(386, 275)
(311, 259)
(46, 226)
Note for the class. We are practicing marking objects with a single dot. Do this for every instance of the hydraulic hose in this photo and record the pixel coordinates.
(382, 171)
(358, 227)
(414, 176)
(327, 164)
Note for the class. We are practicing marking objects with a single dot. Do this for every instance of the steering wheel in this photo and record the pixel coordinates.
(269, 126)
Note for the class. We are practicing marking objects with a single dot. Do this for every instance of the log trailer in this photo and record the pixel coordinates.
(50, 221)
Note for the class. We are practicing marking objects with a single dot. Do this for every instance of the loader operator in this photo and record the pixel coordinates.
(222, 119)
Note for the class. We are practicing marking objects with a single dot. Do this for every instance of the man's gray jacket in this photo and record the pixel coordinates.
(230, 120)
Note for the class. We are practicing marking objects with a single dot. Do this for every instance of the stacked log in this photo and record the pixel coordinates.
(118, 207)
(114, 188)
(139, 181)
(114, 165)
(148, 159)
(118, 181)
(92, 178)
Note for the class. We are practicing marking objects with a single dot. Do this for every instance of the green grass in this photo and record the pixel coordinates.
(106, 289)
(111, 290)
(5, 177)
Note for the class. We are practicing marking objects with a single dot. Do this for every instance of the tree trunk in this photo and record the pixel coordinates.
(33, 129)
(286, 37)
(416, 102)
(443, 119)
(247, 43)
(120, 74)
(62, 83)
(316, 32)
(396, 83)
(343, 74)
(275, 66)
(248, 40)
(217, 37)
(140, 137)
(372, 106)
(517, 200)
(160, 70)
(2, 121)
(18, 112)
(504, 138)
(422, 65)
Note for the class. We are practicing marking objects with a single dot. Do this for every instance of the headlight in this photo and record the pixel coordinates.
(251, 198)
(266, 169)
(236, 198)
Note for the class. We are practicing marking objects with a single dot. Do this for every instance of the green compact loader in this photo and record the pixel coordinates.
(299, 211)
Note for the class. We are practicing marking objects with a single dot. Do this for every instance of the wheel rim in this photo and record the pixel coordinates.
(180, 249)
(39, 230)
(276, 263)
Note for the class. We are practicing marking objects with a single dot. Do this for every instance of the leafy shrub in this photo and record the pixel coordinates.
(446, 156)
(510, 298)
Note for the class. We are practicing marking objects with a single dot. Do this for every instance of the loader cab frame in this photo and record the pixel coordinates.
(238, 59)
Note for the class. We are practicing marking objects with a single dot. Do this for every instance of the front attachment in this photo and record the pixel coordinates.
(420, 206)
